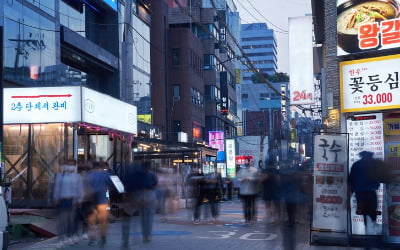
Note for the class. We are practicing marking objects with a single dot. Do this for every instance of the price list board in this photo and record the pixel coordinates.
(365, 134)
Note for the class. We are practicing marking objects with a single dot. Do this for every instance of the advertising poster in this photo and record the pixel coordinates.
(302, 90)
(392, 231)
(230, 158)
(365, 133)
(367, 26)
(216, 140)
(330, 183)
(370, 84)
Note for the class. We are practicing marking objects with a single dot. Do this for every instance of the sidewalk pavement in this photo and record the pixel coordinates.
(179, 232)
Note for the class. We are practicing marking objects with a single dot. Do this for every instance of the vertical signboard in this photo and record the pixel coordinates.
(330, 183)
(230, 158)
(365, 134)
(216, 140)
(301, 60)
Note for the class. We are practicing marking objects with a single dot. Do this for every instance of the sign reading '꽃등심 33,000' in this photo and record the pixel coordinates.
(370, 84)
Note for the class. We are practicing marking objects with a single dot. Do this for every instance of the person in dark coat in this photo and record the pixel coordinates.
(196, 182)
(271, 193)
(363, 182)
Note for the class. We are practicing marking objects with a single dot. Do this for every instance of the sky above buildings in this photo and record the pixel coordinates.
(276, 14)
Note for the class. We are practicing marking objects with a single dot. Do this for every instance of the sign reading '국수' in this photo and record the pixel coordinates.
(370, 84)
(330, 178)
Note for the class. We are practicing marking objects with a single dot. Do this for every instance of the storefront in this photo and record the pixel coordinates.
(46, 125)
(370, 105)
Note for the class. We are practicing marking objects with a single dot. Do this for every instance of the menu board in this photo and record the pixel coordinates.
(330, 178)
(392, 215)
(365, 134)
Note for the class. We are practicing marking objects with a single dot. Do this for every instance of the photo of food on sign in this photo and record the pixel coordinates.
(365, 25)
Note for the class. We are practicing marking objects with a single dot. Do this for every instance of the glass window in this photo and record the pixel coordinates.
(72, 18)
(175, 56)
(29, 47)
(209, 61)
(45, 5)
(175, 91)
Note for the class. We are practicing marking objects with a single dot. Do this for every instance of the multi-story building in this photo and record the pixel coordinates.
(259, 44)
(202, 48)
(66, 93)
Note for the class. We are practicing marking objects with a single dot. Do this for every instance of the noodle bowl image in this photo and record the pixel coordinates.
(353, 14)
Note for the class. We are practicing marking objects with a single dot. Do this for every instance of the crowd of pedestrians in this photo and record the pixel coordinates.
(81, 195)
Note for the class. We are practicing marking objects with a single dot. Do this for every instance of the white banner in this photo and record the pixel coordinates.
(370, 84)
(365, 133)
(330, 183)
(68, 104)
(301, 60)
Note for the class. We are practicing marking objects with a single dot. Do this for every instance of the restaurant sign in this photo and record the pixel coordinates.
(370, 84)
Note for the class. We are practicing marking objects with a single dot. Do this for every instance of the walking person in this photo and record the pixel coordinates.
(144, 196)
(249, 178)
(100, 182)
(67, 194)
(271, 192)
(212, 189)
(195, 189)
(364, 182)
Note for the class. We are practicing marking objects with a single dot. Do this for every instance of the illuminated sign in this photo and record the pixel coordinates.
(230, 158)
(67, 104)
(40, 105)
(241, 159)
(301, 60)
(367, 25)
(216, 140)
(370, 84)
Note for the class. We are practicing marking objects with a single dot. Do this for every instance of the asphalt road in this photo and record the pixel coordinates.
(179, 233)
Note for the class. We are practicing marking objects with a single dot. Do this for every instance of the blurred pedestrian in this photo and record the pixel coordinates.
(164, 191)
(100, 182)
(88, 201)
(212, 189)
(66, 195)
(249, 179)
(271, 191)
(291, 192)
(144, 195)
(364, 181)
(195, 189)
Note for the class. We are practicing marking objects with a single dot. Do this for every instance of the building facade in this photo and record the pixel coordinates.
(259, 44)
(60, 55)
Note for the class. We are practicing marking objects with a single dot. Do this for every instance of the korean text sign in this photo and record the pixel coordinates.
(370, 84)
(367, 26)
(330, 178)
(365, 133)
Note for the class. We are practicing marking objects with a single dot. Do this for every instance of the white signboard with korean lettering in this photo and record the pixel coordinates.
(230, 158)
(330, 183)
(42, 105)
(68, 104)
(367, 26)
(104, 110)
(365, 134)
(301, 60)
(370, 84)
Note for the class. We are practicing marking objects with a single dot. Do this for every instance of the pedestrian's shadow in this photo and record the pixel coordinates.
(288, 233)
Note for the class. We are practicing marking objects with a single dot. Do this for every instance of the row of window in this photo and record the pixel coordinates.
(197, 98)
(259, 46)
(260, 54)
(261, 38)
(264, 96)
